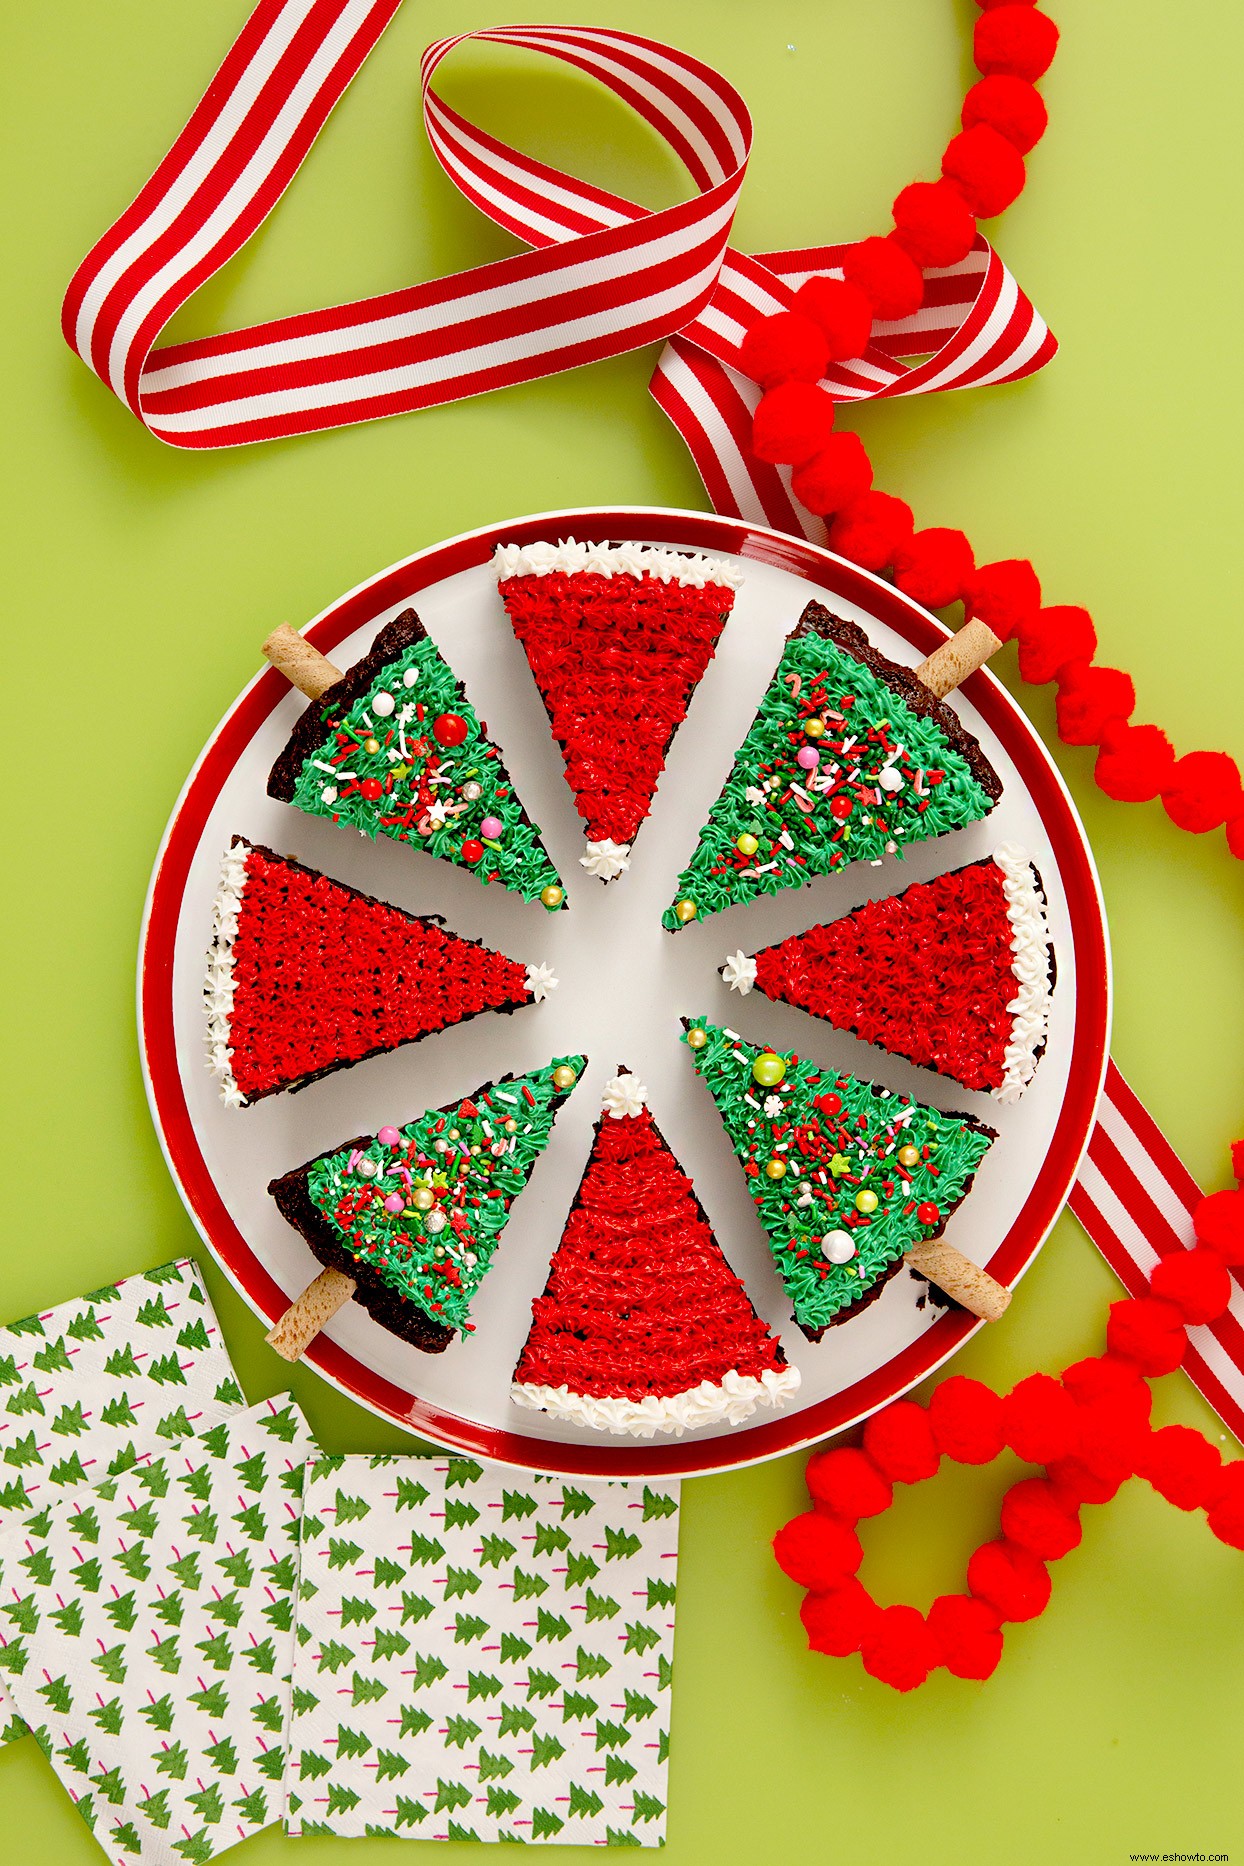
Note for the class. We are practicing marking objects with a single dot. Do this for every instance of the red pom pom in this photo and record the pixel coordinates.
(889, 278)
(848, 1482)
(987, 170)
(1005, 595)
(899, 1650)
(1075, 1479)
(817, 1551)
(1009, 105)
(839, 1622)
(1033, 1517)
(1103, 1377)
(1090, 699)
(1219, 1224)
(1011, 1579)
(967, 1635)
(900, 1442)
(786, 347)
(934, 223)
(1134, 763)
(935, 566)
(1198, 1282)
(1235, 837)
(791, 423)
(872, 530)
(1182, 1466)
(1014, 39)
(1147, 1331)
(965, 1417)
(842, 312)
(1040, 1420)
(1237, 1159)
(1226, 1517)
(836, 476)
(1204, 790)
(1051, 637)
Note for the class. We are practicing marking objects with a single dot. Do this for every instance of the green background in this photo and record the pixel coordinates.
(139, 581)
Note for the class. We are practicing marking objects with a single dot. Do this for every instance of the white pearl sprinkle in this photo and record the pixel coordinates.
(410, 676)
(838, 1246)
(383, 705)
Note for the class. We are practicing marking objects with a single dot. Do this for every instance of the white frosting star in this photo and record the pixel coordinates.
(624, 1095)
(436, 813)
(606, 860)
(541, 980)
(739, 972)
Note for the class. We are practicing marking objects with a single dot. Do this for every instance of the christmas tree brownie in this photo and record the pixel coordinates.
(845, 1176)
(643, 1326)
(849, 758)
(617, 638)
(306, 975)
(394, 748)
(413, 1215)
(955, 974)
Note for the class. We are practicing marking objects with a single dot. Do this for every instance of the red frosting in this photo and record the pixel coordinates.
(324, 975)
(925, 974)
(640, 1299)
(616, 660)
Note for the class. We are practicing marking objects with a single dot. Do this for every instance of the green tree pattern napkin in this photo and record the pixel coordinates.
(86, 1387)
(153, 1643)
(482, 1655)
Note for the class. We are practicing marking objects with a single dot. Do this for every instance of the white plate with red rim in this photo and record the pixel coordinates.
(624, 984)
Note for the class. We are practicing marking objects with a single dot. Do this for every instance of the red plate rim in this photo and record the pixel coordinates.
(699, 531)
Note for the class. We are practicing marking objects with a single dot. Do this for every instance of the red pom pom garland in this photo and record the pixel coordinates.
(1003, 119)
(1090, 1430)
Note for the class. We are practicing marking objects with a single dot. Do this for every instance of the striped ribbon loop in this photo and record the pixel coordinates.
(1135, 1198)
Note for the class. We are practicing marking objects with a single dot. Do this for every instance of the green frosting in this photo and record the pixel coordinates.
(810, 823)
(415, 772)
(474, 1170)
(838, 1136)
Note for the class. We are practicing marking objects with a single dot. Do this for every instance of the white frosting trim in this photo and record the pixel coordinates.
(632, 560)
(1030, 962)
(541, 980)
(625, 1095)
(606, 859)
(739, 972)
(731, 1400)
(218, 985)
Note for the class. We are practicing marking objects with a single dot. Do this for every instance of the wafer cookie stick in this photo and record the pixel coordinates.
(949, 666)
(314, 1309)
(959, 1278)
(302, 665)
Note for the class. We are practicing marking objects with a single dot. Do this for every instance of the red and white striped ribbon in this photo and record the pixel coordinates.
(1135, 1198)
(604, 275)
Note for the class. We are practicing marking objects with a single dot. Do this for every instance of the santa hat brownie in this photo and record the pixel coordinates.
(395, 748)
(849, 1179)
(850, 758)
(306, 975)
(407, 1220)
(617, 638)
(643, 1326)
(955, 974)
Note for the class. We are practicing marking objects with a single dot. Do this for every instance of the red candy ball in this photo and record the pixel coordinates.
(966, 1633)
(848, 1482)
(1011, 1579)
(1203, 791)
(449, 729)
(1182, 1466)
(842, 311)
(889, 278)
(839, 1622)
(987, 170)
(1219, 1223)
(472, 851)
(1033, 1517)
(1005, 595)
(840, 807)
(1196, 1281)
(787, 347)
(791, 423)
(1009, 105)
(933, 223)
(898, 1649)
(1017, 40)
(1147, 1331)
(965, 1417)
(927, 1213)
(1090, 699)
(372, 789)
(817, 1551)
(835, 476)
(935, 566)
(900, 1442)
(1135, 762)
(1040, 1420)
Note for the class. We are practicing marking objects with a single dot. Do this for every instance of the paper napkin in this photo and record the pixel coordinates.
(86, 1386)
(152, 1647)
(481, 1655)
